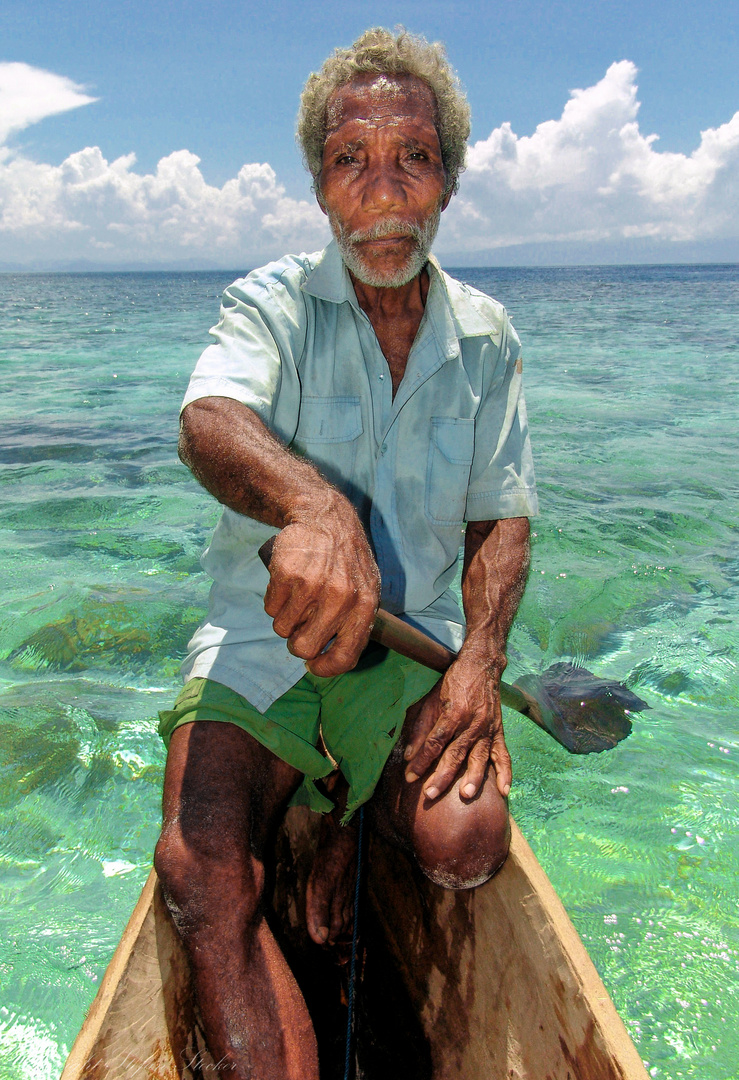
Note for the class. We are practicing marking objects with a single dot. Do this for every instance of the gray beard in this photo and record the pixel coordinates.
(423, 235)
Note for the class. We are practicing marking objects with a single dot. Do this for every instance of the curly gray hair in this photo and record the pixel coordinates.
(384, 53)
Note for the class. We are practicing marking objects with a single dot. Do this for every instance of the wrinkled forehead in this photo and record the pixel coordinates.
(375, 100)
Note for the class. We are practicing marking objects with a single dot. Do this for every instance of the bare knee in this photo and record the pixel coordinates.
(208, 885)
(460, 844)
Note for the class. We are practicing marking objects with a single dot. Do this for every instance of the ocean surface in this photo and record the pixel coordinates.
(632, 385)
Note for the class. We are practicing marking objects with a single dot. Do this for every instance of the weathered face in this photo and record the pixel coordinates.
(382, 180)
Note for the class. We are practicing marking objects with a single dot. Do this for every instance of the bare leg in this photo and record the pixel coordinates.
(224, 794)
(457, 842)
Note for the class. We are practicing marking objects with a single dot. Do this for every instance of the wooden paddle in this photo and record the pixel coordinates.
(583, 712)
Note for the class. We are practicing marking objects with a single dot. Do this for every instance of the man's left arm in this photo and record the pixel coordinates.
(460, 726)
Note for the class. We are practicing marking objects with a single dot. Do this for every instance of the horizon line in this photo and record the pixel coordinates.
(159, 269)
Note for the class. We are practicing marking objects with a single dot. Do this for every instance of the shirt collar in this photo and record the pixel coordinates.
(329, 279)
(452, 308)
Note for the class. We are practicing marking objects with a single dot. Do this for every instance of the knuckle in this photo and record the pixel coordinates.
(349, 633)
(271, 602)
(445, 774)
(305, 640)
(435, 743)
(456, 753)
(298, 650)
(366, 603)
(480, 752)
(422, 760)
(345, 658)
(500, 749)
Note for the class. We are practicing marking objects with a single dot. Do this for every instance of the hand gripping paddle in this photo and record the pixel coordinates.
(583, 712)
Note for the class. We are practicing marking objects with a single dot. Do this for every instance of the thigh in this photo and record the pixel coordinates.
(363, 712)
(224, 792)
(289, 727)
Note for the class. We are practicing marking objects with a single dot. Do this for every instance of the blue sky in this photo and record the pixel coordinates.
(221, 81)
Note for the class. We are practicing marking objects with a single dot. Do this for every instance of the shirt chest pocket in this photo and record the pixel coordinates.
(329, 420)
(328, 429)
(451, 451)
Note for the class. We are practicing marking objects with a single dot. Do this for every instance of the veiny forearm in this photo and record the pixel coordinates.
(324, 584)
(496, 564)
(239, 461)
(459, 730)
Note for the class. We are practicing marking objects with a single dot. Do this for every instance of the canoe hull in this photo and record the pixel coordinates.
(499, 977)
(502, 984)
(142, 1023)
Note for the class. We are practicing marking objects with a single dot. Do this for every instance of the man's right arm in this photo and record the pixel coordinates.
(324, 581)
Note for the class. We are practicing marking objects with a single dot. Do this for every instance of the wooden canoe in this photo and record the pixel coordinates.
(499, 982)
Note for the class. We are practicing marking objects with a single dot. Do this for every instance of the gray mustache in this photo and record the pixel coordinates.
(388, 227)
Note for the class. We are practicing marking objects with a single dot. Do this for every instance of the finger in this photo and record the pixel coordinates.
(291, 620)
(291, 605)
(451, 763)
(317, 621)
(277, 595)
(338, 658)
(477, 764)
(432, 748)
(343, 653)
(422, 717)
(313, 631)
(501, 760)
(293, 591)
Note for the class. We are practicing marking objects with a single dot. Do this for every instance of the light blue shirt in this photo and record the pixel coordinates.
(294, 345)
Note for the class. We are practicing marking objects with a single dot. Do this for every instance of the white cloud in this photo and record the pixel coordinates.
(89, 208)
(589, 175)
(592, 175)
(29, 94)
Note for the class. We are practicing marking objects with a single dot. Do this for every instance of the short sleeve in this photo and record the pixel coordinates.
(502, 483)
(258, 342)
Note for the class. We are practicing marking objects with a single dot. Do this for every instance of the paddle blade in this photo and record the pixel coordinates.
(584, 713)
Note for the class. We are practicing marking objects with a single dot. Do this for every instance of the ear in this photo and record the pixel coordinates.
(319, 197)
(446, 200)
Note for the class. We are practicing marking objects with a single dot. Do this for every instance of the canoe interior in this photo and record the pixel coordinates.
(488, 984)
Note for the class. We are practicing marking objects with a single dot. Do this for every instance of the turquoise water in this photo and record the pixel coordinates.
(632, 380)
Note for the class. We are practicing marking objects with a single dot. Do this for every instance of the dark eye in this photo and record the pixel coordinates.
(417, 155)
(346, 159)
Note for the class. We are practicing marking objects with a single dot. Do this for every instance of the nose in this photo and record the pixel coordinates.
(383, 191)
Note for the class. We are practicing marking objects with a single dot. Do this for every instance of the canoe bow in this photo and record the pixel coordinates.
(498, 976)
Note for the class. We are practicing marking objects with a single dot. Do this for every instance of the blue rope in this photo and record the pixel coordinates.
(353, 966)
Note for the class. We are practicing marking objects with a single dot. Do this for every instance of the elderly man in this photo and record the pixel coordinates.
(361, 406)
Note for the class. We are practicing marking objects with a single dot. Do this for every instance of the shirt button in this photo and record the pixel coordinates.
(381, 377)
(383, 448)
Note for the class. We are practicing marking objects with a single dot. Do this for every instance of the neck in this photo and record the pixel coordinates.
(390, 304)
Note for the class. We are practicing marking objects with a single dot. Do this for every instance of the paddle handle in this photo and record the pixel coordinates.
(397, 635)
(393, 633)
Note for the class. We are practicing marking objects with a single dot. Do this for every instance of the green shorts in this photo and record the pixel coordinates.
(359, 716)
